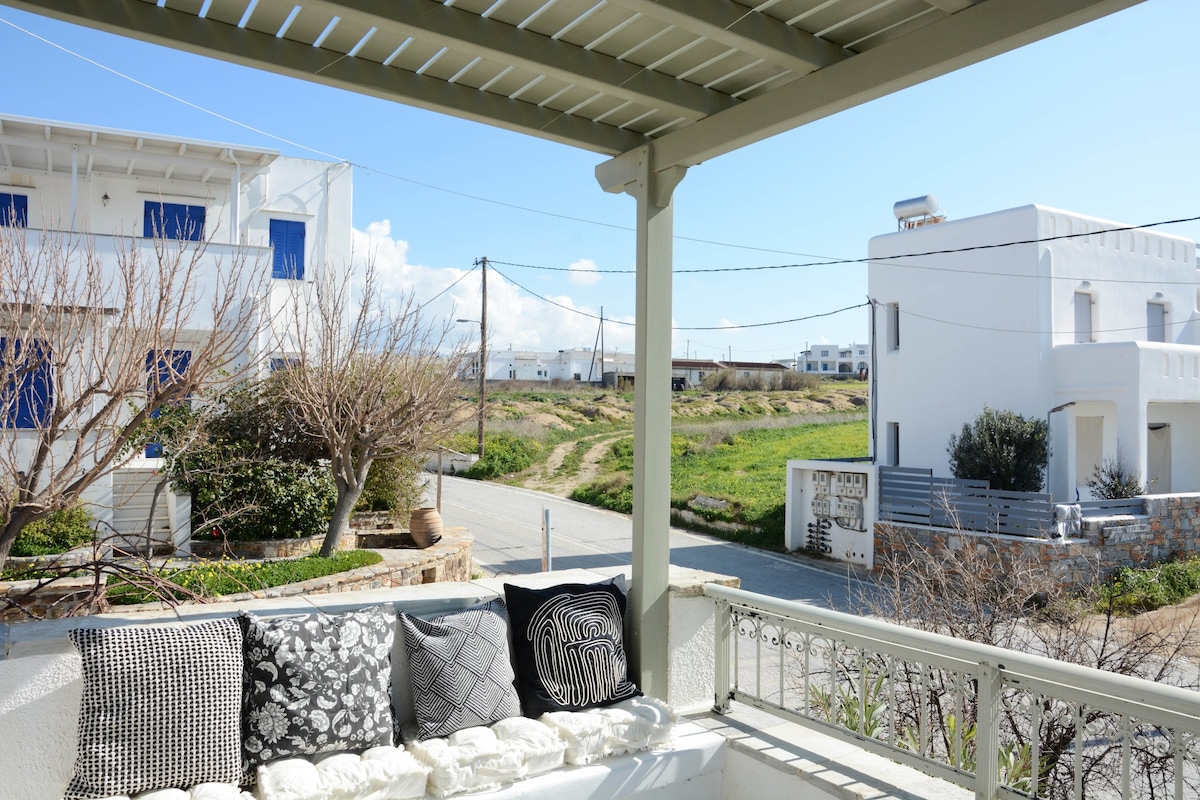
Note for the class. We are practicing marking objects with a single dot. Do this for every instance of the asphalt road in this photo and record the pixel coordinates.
(507, 525)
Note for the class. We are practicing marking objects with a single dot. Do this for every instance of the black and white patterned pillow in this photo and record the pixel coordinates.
(316, 683)
(160, 708)
(569, 642)
(460, 669)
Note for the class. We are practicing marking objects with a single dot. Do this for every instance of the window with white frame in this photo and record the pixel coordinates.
(893, 326)
(1156, 322)
(172, 221)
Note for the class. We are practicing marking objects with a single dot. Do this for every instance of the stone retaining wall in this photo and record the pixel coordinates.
(1170, 528)
(447, 560)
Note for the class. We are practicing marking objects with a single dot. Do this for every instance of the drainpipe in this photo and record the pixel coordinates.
(235, 199)
(74, 183)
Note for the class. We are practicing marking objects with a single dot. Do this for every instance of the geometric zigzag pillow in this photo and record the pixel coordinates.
(160, 708)
(569, 642)
(460, 669)
(316, 683)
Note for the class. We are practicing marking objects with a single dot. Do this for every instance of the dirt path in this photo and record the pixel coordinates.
(547, 477)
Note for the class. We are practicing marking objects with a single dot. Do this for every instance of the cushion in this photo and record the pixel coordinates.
(460, 669)
(381, 773)
(539, 746)
(638, 723)
(469, 760)
(316, 683)
(570, 646)
(160, 708)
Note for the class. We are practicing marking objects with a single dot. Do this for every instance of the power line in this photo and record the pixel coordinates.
(451, 286)
(674, 328)
(895, 258)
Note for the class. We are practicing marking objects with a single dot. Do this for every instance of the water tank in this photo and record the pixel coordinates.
(916, 207)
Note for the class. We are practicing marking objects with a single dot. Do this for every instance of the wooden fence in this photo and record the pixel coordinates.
(916, 497)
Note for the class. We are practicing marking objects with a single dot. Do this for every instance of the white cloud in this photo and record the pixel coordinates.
(515, 318)
(583, 272)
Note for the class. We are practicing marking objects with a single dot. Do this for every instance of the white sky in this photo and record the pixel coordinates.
(1102, 120)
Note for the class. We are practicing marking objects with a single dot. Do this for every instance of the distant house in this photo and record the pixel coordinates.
(1080, 320)
(693, 370)
(581, 364)
(125, 189)
(832, 359)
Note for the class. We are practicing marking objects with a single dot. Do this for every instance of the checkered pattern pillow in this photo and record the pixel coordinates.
(460, 669)
(316, 683)
(160, 708)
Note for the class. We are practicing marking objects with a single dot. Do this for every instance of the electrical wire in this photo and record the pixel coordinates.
(588, 314)
(448, 288)
(990, 329)
(895, 258)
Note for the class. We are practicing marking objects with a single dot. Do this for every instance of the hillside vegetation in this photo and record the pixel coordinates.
(729, 449)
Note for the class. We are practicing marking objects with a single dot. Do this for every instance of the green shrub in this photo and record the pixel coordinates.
(252, 499)
(216, 578)
(1007, 450)
(503, 454)
(61, 531)
(1113, 480)
(1133, 590)
(614, 493)
(393, 484)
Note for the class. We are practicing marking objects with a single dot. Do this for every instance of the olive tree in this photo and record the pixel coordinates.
(372, 380)
(1007, 450)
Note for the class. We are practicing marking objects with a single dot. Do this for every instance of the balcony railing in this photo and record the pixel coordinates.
(936, 703)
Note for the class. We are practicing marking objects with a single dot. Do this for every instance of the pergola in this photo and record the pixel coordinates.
(657, 85)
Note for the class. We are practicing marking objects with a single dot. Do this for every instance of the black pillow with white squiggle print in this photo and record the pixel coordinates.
(316, 683)
(569, 643)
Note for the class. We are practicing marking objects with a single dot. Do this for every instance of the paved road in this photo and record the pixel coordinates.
(506, 523)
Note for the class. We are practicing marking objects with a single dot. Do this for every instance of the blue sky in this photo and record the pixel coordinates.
(1102, 120)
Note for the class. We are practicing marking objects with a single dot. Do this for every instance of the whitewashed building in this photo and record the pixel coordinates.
(115, 190)
(580, 364)
(832, 359)
(1051, 314)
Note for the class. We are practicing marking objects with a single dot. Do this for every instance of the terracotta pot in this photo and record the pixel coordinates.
(425, 526)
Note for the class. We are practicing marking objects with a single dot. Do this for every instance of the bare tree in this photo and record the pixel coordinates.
(374, 380)
(970, 589)
(97, 336)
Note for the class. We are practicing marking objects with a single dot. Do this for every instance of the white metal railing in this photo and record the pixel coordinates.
(1056, 730)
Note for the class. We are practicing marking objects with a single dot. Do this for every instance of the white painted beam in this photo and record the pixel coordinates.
(445, 26)
(183, 31)
(972, 35)
(755, 34)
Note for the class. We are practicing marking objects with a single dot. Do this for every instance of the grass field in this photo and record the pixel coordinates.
(746, 469)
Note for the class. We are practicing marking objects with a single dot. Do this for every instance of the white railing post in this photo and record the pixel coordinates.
(987, 732)
(723, 630)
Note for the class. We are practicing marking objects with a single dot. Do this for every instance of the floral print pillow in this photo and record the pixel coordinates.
(316, 684)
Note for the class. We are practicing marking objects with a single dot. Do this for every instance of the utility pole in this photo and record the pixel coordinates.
(482, 352)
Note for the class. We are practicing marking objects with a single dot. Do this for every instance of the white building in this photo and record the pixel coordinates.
(581, 364)
(290, 218)
(832, 359)
(1073, 318)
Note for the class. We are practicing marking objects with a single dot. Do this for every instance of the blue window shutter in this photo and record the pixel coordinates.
(29, 396)
(14, 210)
(173, 221)
(162, 369)
(287, 239)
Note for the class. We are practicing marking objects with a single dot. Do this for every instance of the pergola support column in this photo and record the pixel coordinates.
(652, 423)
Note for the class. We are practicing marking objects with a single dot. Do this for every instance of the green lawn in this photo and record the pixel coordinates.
(747, 469)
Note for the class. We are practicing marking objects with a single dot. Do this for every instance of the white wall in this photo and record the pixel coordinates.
(996, 326)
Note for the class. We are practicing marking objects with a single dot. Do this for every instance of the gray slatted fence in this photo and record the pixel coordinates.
(915, 496)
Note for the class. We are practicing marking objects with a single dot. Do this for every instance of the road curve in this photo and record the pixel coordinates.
(506, 522)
